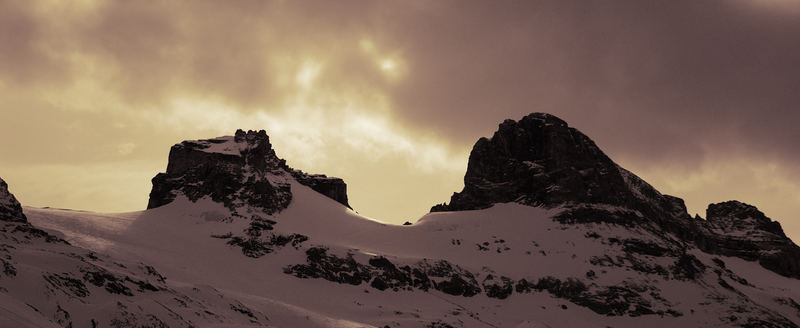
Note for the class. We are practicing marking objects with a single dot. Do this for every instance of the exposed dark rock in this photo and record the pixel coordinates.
(15, 220)
(8, 268)
(236, 171)
(62, 317)
(294, 240)
(687, 266)
(541, 161)
(448, 278)
(615, 301)
(741, 230)
(257, 246)
(569, 289)
(241, 308)
(383, 274)
(523, 286)
(439, 324)
(609, 300)
(644, 247)
(143, 285)
(334, 188)
(31, 232)
(389, 276)
(10, 209)
(112, 283)
(259, 238)
(737, 217)
(451, 279)
(67, 284)
(589, 214)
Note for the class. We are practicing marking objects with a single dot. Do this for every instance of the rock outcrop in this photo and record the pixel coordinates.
(734, 218)
(541, 161)
(741, 230)
(10, 209)
(236, 171)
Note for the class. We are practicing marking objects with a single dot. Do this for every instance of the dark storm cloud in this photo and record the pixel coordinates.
(699, 97)
(651, 80)
(23, 58)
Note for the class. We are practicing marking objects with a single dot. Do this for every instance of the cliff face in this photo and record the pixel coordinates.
(236, 171)
(541, 161)
(10, 209)
(741, 230)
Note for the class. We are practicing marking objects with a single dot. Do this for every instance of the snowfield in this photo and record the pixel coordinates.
(547, 232)
(511, 240)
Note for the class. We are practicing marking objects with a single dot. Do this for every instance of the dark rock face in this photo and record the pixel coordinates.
(541, 161)
(741, 230)
(14, 222)
(382, 274)
(736, 217)
(10, 209)
(259, 238)
(236, 171)
(334, 188)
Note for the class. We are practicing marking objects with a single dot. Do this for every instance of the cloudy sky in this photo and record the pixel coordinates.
(700, 98)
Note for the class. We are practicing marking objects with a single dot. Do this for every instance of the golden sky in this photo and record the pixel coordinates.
(698, 98)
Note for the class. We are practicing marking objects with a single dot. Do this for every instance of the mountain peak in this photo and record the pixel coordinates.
(541, 161)
(734, 216)
(237, 170)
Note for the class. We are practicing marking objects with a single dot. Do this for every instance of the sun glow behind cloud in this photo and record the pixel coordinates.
(348, 141)
(314, 125)
(132, 80)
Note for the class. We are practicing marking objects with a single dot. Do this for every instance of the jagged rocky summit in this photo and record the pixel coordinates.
(609, 250)
(737, 229)
(236, 170)
(541, 161)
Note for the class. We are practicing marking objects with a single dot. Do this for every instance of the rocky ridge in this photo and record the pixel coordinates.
(737, 229)
(541, 161)
(616, 247)
(236, 171)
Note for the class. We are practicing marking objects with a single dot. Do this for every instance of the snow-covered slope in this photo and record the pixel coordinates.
(48, 282)
(570, 269)
(313, 262)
